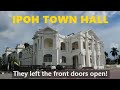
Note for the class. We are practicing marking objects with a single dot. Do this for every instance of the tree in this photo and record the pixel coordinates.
(14, 62)
(106, 55)
(0, 62)
(108, 61)
(114, 52)
(26, 45)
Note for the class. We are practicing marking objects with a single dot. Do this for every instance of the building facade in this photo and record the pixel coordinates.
(21, 53)
(84, 49)
(6, 55)
(26, 56)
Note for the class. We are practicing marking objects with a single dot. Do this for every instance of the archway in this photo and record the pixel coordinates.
(62, 46)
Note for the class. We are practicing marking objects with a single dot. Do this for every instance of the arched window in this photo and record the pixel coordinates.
(63, 59)
(48, 58)
(48, 43)
(74, 45)
(62, 46)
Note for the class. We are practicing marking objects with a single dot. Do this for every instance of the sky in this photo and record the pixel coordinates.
(13, 34)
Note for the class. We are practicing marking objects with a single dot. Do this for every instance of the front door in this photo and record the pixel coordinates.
(75, 62)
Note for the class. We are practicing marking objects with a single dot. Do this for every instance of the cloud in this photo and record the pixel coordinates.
(11, 34)
(108, 33)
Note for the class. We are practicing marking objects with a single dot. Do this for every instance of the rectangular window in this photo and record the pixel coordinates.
(63, 60)
(48, 59)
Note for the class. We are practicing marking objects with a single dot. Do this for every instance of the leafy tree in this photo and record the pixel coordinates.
(106, 55)
(14, 62)
(26, 45)
(0, 62)
(114, 52)
(108, 61)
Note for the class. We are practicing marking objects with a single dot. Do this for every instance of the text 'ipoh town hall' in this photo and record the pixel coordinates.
(83, 49)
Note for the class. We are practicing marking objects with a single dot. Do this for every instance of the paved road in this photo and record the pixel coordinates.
(6, 76)
(114, 74)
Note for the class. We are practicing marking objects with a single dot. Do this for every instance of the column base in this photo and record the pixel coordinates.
(95, 67)
(89, 65)
(101, 67)
(83, 65)
(79, 67)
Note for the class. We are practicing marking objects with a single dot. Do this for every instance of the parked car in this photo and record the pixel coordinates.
(50, 67)
(53, 67)
(60, 67)
(1, 72)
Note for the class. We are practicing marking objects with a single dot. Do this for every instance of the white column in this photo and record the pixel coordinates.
(70, 45)
(87, 53)
(95, 63)
(42, 42)
(99, 60)
(98, 53)
(93, 53)
(66, 46)
(55, 42)
(38, 41)
(83, 60)
(79, 60)
(79, 55)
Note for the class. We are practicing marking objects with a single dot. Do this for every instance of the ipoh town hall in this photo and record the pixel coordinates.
(83, 49)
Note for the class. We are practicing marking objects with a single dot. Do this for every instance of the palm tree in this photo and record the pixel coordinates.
(114, 52)
(106, 57)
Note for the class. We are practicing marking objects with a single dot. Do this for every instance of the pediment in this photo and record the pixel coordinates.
(48, 30)
(91, 33)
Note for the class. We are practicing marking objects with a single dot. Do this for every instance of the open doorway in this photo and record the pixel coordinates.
(75, 61)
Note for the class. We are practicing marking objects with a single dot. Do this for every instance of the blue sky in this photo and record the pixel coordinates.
(11, 34)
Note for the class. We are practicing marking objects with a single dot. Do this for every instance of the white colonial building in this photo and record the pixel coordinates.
(83, 49)
(26, 56)
(20, 53)
(6, 55)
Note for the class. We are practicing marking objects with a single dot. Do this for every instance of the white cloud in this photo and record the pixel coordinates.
(12, 34)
